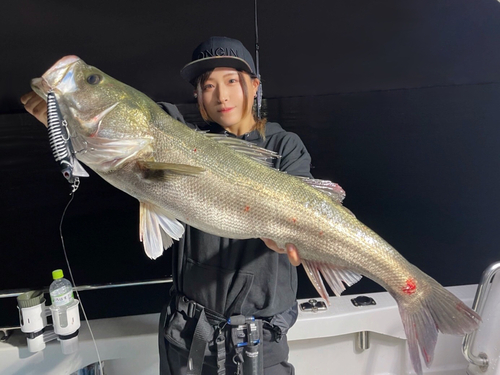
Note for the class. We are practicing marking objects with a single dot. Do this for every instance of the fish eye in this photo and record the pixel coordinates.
(94, 79)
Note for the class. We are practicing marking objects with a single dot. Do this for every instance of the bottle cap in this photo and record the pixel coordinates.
(30, 299)
(57, 274)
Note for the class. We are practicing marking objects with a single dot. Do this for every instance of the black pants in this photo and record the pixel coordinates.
(173, 360)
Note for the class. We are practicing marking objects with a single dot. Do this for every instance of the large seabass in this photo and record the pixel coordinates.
(223, 186)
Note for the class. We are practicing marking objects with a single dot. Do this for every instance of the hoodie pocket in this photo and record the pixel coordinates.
(218, 289)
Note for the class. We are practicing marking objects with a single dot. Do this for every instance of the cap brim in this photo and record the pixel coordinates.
(196, 68)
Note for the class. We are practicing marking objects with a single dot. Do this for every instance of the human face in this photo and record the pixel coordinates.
(223, 98)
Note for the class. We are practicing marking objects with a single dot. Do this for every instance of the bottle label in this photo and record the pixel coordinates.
(62, 299)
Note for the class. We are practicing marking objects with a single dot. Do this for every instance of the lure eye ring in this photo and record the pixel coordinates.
(94, 79)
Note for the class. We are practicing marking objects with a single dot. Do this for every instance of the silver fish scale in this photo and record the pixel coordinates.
(238, 198)
(235, 197)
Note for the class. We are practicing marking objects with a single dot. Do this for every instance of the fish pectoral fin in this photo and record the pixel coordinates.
(336, 277)
(153, 170)
(157, 228)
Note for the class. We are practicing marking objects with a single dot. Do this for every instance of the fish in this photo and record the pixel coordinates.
(224, 186)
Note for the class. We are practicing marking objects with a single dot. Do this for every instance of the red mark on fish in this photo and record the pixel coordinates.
(247, 208)
(426, 356)
(410, 286)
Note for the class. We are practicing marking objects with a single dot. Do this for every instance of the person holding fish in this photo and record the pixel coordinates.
(232, 299)
(218, 278)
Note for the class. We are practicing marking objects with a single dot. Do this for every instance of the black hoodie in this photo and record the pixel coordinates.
(238, 276)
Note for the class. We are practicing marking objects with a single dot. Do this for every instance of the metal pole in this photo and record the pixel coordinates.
(17, 292)
(483, 289)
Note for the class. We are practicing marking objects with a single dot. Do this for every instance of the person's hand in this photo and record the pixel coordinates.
(36, 106)
(290, 250)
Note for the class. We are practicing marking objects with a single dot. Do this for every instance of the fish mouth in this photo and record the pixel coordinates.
(58, 73)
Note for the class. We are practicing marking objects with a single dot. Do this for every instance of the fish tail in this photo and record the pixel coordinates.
(435, 309)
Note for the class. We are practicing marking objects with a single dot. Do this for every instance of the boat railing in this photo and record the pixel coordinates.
(483, 290)
(17, 292)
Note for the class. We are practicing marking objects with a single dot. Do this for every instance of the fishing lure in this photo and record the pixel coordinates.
(60, 143)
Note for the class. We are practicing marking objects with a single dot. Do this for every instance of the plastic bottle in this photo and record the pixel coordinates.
(61, 295)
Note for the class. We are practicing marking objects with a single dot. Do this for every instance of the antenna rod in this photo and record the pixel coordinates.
(259, 91)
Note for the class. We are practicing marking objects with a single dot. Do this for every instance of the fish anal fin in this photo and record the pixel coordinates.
(152, 170)
(335, 276)
(313, 272)
(157, 228)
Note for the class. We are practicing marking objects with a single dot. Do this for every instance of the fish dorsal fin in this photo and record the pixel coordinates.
(157, 228)
(334, 276)
(330, 188)
(249, 149)
(152, 170)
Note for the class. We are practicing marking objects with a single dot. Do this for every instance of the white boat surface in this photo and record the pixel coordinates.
(322, 342)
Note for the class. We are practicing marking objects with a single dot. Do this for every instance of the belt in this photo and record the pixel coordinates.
(208, 321)
(193, 309)
(210, 326)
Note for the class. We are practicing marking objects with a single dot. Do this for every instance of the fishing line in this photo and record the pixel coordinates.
(62, 150)
(73, 280)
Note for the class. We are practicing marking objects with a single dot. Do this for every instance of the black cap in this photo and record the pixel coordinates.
(218, 51)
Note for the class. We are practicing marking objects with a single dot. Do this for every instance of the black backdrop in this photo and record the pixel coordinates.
(395, 100)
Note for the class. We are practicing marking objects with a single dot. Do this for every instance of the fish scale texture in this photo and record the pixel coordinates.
(237, 198)
(119, 131)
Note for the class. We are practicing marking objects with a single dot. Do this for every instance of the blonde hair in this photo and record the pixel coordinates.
(260, 123)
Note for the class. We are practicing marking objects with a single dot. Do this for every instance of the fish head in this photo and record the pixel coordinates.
(108, 121)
